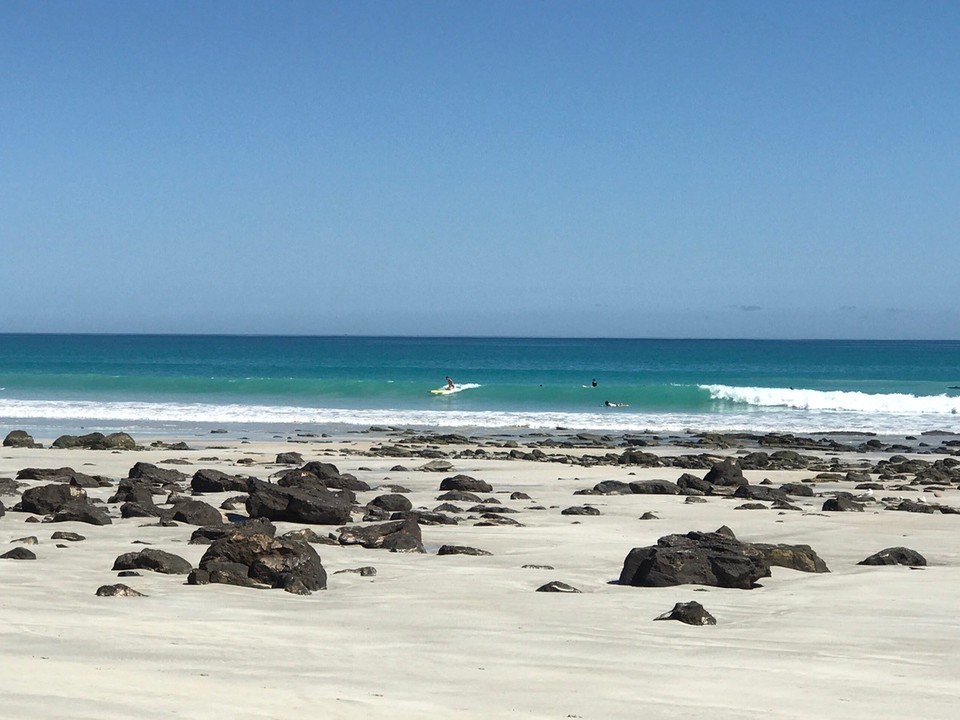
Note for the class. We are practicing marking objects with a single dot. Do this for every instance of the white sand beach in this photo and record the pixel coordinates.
(467, 636)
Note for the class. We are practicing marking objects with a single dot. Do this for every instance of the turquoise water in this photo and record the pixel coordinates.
(154, 381)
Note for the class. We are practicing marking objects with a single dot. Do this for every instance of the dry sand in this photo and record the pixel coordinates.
(463, 636)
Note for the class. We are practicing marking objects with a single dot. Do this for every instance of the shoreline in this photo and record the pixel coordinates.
(468, 636)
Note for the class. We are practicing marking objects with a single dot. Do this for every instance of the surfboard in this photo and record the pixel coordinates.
(455, 389)
(444, 391)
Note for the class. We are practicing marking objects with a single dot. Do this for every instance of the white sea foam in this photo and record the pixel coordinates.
(157, 417)
(855, 402)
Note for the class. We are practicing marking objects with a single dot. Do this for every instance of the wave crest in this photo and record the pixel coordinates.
(837, 400)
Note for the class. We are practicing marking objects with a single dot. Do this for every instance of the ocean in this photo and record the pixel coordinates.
(170, 384)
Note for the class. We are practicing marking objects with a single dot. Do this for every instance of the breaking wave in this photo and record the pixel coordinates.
(837, 400)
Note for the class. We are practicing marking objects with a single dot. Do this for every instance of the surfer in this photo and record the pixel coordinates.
(614, 404)
(450, 384)
(593, 383)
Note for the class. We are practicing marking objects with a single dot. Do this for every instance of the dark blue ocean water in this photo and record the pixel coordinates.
(155, 382)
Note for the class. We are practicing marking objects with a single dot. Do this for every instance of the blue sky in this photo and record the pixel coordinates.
(630, 169)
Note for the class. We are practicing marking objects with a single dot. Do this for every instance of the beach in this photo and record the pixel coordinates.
(468, 636)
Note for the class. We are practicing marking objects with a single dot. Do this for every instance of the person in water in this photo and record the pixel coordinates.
(593, 383)
(450, 384)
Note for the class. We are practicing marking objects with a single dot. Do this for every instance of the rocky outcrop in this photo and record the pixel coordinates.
(895, 556)
(691, 613)
(20, 439)
(317, 507)
(465, 483)
(48, 499)
(396, 536)
(152, 559)
(97, 441)
(695, 558)
(251, 559)
(214, 481)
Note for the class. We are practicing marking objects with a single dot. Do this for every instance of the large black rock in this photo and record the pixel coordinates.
(295, 505)
(726, 473)
(895, 556)
(212, 481)
(465, 483)
(51, 498)
(396, 535)
(152, 559)
(252, 558)
(695, 558)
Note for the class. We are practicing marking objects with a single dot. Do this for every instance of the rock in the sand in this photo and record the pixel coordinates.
(152, 559)
(59, 475)
(47, 499)
(212, 533)
(841, 504)
(460, 496)
(249, 560)
(82, 512)
(654, 487)
(19, 553)
(726, 473)
(895, 556)
(289, 458)
(207, 480)
(20, 439)
(692, 482)
(695, 558)
(519, 496)
(9, 487)
(916, 507)
(29, 540)
(147, 472)
(612, 487)
(691, 613)
(760, 492)
(436, 466)
(393, 502)
(649, 516)
(365, 571)
(193, 512)
(425, 517)
(396, 536)
(294, 505)
(797, 489)
(97, 441)
(557, 587)
(71, 536)
(118, 590)
(461, 550)
(580, 510)
(465, 483)
(796, 557)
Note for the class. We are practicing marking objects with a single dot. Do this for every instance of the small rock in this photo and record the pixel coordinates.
(691, 613)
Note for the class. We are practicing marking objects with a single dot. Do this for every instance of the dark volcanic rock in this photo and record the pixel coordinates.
(760, 492)
(294, 505)
(20, 439)
(82, 512)
(580, 510)
(460, 496)
(397, 536)
(118, 590)
(465, 483)
(70, 536)
(48, 499)
(135, 490)
(59, 475)
(654, 487)
(193, 512)
(289, 458)
(692, 482)
(916, 507)
(557, 587)
(148, 472)
(212, 533)
(795, 557)
(797, 489)
(392, 503)
(695, 558)
(895, 556)
(691, 613)
(152, 559)
(842, 504)
(461, 550)
(212, 481)
(19, 553)
(257, 558)
(612, 487)
(96, 441)
(726, 473)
